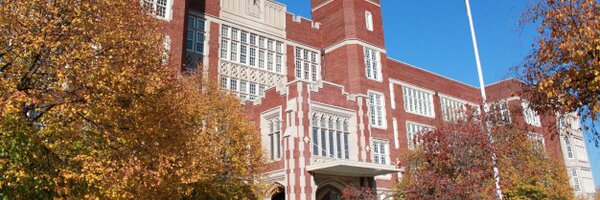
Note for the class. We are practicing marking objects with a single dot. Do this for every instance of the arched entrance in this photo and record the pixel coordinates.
(278, 192)
(280, 195)
(329, 192)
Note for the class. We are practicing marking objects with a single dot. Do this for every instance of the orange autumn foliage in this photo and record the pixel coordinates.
(563, 68)
(90, 109)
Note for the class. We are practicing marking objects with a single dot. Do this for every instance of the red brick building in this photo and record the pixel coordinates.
(332, 108)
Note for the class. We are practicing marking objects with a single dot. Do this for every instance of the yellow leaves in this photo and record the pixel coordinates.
(566, 60)
(123, 127)
(526, 173)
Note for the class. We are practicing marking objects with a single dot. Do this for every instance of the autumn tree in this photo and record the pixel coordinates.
(563, 69)
(455, 162)
(352, 193)
(450, 162)
(90, 108)
(526, 171)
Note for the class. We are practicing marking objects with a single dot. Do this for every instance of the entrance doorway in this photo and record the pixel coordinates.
(279, 194)
(329, 192)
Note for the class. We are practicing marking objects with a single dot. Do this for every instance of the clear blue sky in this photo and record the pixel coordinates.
(434, 35)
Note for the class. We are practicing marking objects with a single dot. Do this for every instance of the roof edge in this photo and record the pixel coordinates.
(442, 76)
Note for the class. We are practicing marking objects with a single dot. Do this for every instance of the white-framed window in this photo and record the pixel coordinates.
(270, 44)
(380, 151)
(537, 141)
(307, 64)
(233, 85)
(261, 42)
(369, 20)
(225, 31)
(417, 101)
(377, 109)
(569, 148)
(412, 129)
(252, 49)
(501, 112)
(330, 136)
(275, 139)
(586, 180)
(278, 63)
(224, 47)
(243, 53)
(252, 60)
(234, 51)
(159, 8)
(245, 90)
(261, 59)
(372, 64)
(454, 110)
(569, 122)
(279, 47)
(253, 92)
(244, 37)
(224, 82)
(270, 61)
(580, 150)
(195, 34)
(235, 33)
(253, 39)
(575, 178)
(531, 117)
(261, 90)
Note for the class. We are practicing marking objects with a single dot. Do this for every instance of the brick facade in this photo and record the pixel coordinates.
(338, 36)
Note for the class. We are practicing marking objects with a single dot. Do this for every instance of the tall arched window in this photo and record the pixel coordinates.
(369, 20)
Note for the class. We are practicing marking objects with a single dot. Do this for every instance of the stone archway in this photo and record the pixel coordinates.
(330, 190)
(277, 192)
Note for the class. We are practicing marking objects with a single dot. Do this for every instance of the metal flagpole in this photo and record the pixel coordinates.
(483, 98)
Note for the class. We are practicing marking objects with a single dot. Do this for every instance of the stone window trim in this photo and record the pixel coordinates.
(530, 115)
(380, 151)
(372, 63)
(195, 38)
(272, 134)
(500, 110)
(330, 136)
(575, 179)
(307, 64)
(161, 9)
(577, 147)
(568, 122)
(369, 20)
(569, 148)
(252, 49)
(275, 138)
(412, 128)
(377, 113)
(413, 95)
(245, 90)
(454, 109)
(348, 134)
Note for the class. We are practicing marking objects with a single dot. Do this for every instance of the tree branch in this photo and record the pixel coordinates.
(23, 82)
(5, 66)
